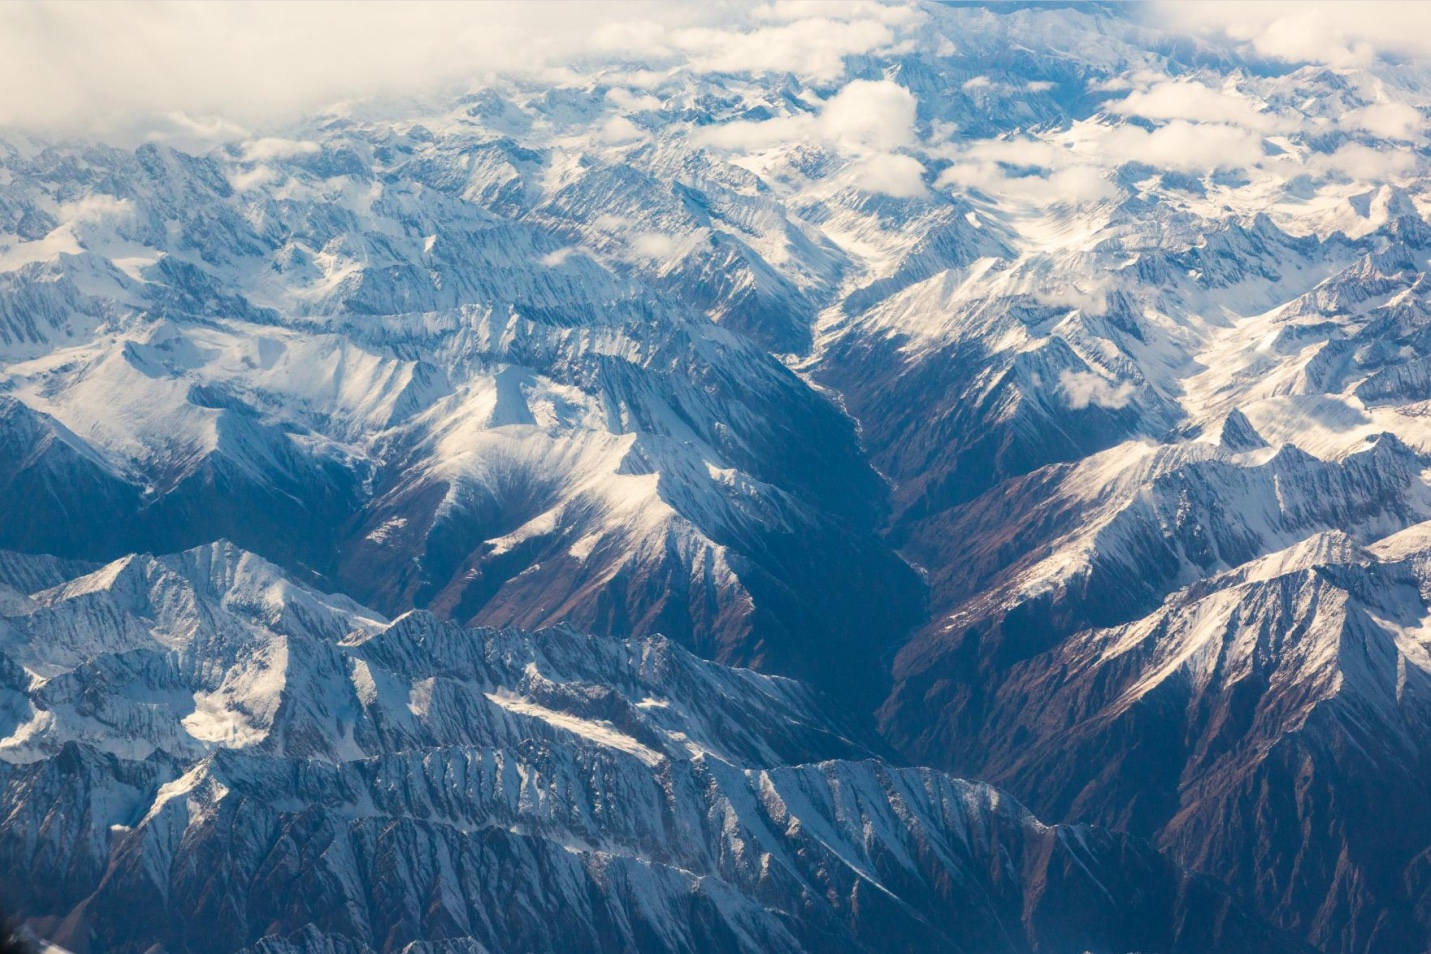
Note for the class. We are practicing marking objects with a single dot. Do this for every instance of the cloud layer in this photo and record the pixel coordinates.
(214, 70)
(200, 73)
(866, 119)
(1349, 33)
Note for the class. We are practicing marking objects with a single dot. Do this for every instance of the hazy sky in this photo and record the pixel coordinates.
(215, 70)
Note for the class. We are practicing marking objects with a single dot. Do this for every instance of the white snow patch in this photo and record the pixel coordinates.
(387, 529)
(602, 733)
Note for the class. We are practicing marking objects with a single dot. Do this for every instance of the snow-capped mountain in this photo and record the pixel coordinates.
(201, 753)
(1287, 696)
(1043, 386)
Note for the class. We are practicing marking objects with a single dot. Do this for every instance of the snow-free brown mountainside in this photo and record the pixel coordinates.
(1043, 386)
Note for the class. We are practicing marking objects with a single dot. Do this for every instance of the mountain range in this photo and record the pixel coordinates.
(672, 506)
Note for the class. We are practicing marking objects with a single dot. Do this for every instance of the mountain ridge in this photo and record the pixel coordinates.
(957, 378)
(285, 764)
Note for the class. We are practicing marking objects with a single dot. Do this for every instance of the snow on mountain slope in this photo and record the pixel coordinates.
(935, 364)
(201, 753)
(240, 654)
(1267, 722)
(1106, 539)
(1189, 338)
(433, 402)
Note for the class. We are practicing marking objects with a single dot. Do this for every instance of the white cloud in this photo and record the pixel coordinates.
(1075, 184)
(1084, 388)
(625, 100)
(1313, 36)
(1196, 102)
(556, 258)
(262, 150)
(113, 67)
(1183, 146)
(891, 174)
(612, 223)
(983, 82)
(1018, 151)
(744, 136)
(245, 179)
(1047, 173)
(806, 38)
(1076, 167)
(870, 115)
(618, 130)
(197, 72)
(1136, 79)
(1387, 120)
(891, 13)
(95, 216)
(1079, 184)
(95, 207)
(179, 127)
(815, 47)
(1340, 34)
(866, 119)
(653, 244)
(864, 116)
(638, 79)
(620, 35)
(1363, 163)
(1089, 296)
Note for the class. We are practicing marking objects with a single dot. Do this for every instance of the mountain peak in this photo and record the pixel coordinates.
(1238, 434)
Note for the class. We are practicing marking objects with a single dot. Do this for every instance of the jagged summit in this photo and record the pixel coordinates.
(1238, 434)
